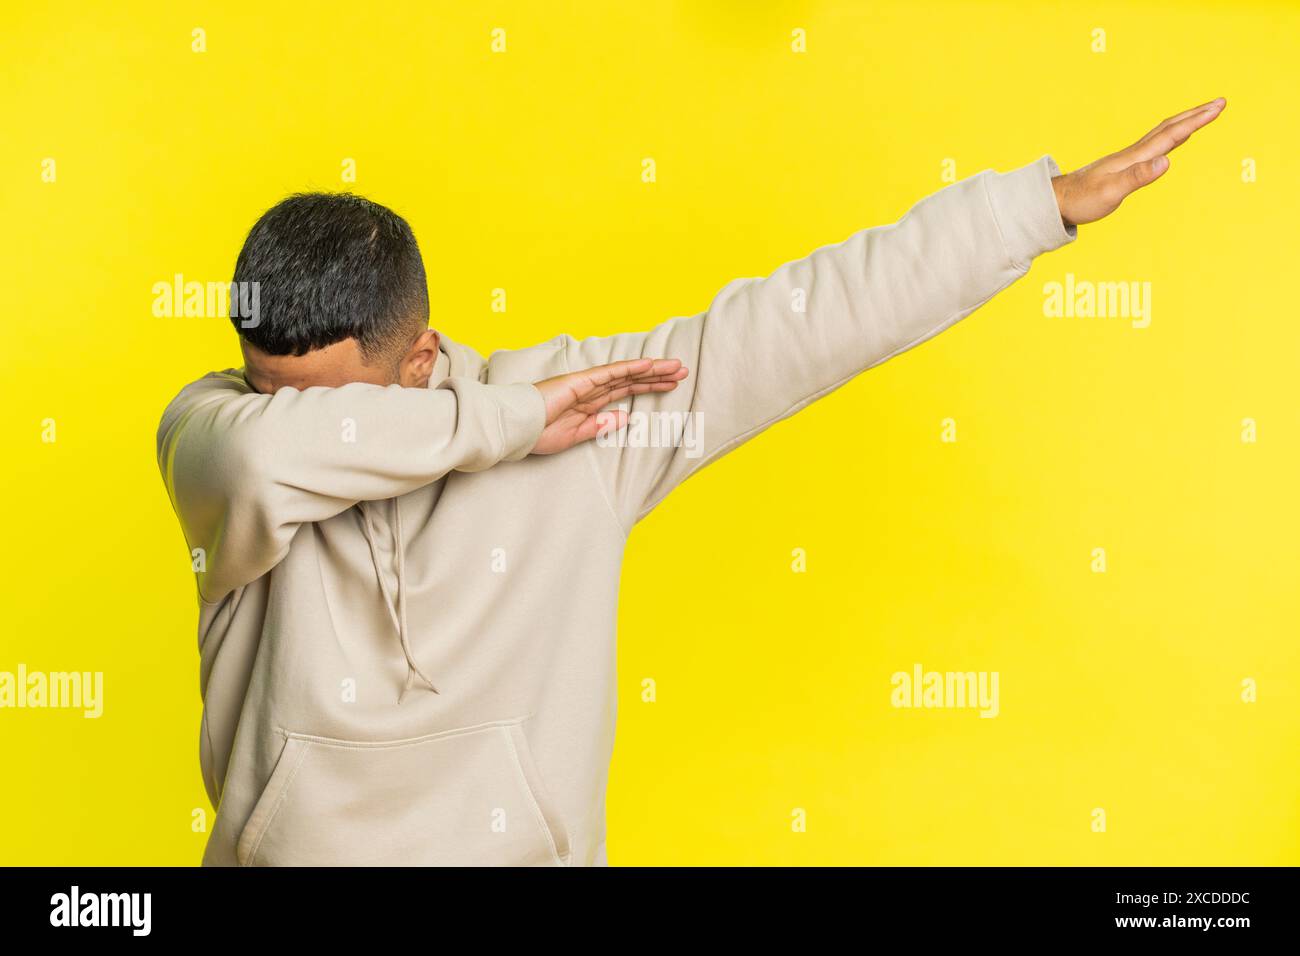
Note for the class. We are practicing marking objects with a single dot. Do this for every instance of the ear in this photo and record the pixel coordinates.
(416, 367)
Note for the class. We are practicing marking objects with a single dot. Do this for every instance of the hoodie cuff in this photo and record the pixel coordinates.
(1024, 207)
(521, 412)
(507, 419)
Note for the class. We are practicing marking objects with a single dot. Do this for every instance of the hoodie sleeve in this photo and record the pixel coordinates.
(244, 470)
(767, 347)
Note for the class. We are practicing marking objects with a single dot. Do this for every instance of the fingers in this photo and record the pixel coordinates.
(572, 389)
(578, 415)
(1218, 103)
(623, 391)
(596, 400)
(1173, 132)
(603, 380)
(1147, 160)
(602, 375)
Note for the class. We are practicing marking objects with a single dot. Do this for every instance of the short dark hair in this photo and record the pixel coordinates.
(329, 267)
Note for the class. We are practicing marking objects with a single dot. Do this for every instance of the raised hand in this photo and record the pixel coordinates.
(574, 401)
(1096, 190)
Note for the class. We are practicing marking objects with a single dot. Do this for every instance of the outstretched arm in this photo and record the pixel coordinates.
(767, 347)
(245, 470)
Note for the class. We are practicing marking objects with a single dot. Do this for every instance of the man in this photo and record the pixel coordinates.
(408, 556)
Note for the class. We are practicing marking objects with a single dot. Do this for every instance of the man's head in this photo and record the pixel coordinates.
(341, 296)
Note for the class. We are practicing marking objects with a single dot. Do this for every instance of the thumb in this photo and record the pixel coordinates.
(595, 425)
(610, 421)
(1144, 173)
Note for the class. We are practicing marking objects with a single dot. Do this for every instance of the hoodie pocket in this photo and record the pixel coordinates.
(465, 797)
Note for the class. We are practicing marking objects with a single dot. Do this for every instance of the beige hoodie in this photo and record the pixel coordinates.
(406, 623)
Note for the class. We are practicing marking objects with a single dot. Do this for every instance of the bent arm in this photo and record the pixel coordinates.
(766, 347)
(244, 470)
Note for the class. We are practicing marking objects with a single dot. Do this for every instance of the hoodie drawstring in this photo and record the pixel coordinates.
(396, 609)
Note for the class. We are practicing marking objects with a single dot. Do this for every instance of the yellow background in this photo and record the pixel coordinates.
(522, 171)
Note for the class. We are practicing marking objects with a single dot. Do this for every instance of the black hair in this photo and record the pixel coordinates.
(329, 267)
